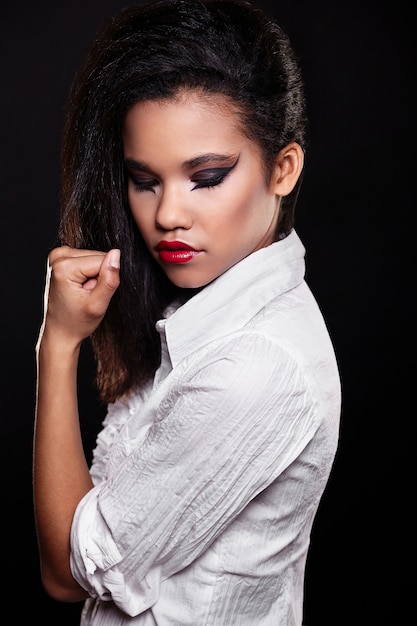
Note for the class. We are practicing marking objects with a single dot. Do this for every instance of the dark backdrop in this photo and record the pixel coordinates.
(354, 216)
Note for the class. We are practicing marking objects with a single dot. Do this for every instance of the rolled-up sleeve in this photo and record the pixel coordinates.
(221, 427)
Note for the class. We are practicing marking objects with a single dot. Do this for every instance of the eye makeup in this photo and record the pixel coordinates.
(211, 177)
(142, 183)
(143, 179)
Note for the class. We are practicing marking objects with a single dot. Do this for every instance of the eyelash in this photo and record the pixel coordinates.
(215, 180)
(204, 183)
(143, 185)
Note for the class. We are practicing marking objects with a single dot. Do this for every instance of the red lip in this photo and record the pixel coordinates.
(174, 245)
(176, 252)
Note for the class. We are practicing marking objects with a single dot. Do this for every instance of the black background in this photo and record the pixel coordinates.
(355, 219)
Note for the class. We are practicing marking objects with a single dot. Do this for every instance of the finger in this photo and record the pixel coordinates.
(90, 284)
(109, 275)
(66, 251)
(76, 269)
(113, 258)
(110, 278)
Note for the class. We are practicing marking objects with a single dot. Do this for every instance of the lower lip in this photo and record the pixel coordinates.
(177, 256)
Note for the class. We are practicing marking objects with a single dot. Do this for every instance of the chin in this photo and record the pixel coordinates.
(181, 280)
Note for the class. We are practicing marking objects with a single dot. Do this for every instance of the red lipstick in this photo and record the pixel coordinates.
(175, 252)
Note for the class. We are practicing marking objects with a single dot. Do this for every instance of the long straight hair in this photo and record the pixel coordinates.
(151, 51)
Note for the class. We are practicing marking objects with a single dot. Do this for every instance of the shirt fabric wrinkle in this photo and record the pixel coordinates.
(208, 478)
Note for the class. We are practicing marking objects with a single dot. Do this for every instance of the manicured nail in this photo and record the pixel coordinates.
(114, 258)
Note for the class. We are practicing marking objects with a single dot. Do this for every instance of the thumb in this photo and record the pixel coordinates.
(113, 259)
(109, 275)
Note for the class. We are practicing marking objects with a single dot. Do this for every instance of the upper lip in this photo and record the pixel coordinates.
(174, 245)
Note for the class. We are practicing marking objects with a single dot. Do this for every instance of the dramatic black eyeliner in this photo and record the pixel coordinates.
(217, 176)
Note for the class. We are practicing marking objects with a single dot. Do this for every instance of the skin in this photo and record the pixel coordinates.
(171, 149)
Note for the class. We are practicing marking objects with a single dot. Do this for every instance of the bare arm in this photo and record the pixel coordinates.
(79, 287)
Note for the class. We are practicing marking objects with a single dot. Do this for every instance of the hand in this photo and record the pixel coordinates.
(79, 287)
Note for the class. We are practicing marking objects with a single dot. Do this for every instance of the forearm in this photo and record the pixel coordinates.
(78, 289)
(61, 475)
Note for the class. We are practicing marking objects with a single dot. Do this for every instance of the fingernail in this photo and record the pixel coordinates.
(114, 258)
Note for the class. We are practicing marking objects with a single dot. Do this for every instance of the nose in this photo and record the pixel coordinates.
(173, 210)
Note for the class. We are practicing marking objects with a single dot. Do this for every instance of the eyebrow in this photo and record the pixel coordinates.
(195, 162)
(208, 158)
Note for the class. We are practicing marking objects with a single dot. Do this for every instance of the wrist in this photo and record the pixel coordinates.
(51, 344)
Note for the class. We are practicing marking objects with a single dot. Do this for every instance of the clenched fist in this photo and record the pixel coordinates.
(79, 286)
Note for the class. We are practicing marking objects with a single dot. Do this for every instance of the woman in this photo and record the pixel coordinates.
(182, 159)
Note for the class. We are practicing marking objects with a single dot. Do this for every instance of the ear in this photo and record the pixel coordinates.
(287, 168)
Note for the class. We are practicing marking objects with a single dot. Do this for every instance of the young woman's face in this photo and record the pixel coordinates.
(197, 188)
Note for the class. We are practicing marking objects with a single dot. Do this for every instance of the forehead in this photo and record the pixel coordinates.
(187, 112)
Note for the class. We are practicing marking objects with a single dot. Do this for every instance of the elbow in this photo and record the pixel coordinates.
(63, 591)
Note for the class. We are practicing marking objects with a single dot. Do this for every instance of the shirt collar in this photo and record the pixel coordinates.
(231, 300)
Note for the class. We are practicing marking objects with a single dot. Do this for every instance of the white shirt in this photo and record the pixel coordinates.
(207, 480)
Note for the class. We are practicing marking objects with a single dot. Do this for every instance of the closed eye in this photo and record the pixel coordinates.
(211, 177)
(142, 182)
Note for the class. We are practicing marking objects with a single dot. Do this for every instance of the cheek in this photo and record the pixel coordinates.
(137, 211)
(244, 205)
(141, 225)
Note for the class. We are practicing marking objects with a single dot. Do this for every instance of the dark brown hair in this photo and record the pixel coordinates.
(151, 51)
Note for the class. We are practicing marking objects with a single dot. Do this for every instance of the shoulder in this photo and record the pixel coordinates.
(263, 366)
(247, 360)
